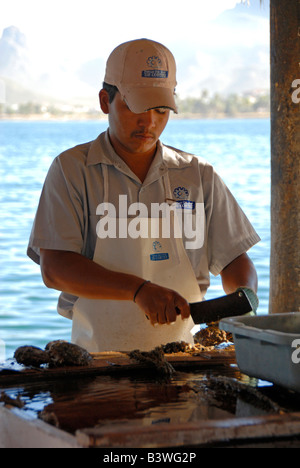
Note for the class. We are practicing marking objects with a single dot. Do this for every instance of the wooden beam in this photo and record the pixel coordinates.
(285, 156)
(190, 434)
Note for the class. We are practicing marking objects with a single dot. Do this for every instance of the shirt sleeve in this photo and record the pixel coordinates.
(58, 222)
(229, 231)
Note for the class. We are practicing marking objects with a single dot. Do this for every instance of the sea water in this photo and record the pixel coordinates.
(239, 149)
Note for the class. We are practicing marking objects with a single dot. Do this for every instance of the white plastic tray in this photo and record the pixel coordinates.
(266, 346)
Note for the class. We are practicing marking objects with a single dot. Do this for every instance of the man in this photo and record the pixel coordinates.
(123, 287)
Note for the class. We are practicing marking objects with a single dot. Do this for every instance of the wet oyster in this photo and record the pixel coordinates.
(154, 358)
(31, 356)
(62, 353)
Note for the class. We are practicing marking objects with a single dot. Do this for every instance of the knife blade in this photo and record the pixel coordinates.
(213, 310)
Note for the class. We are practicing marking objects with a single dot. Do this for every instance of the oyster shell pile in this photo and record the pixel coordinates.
(212, 335)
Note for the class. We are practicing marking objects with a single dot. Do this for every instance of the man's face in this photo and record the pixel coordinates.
(133, 133)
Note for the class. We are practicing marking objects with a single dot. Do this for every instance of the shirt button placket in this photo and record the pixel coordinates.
(141, 194)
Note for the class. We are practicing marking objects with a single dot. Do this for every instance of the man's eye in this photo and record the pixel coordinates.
(161, 110)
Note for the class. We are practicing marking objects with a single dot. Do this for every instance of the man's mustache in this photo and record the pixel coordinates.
(143, 133)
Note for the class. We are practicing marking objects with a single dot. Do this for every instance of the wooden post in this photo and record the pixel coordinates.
(285, 156)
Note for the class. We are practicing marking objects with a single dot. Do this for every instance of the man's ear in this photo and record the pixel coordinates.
(104, 101)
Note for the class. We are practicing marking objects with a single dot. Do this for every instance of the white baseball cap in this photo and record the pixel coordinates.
(144, 72)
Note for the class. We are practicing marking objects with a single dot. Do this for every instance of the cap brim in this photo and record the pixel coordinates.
(143, 99)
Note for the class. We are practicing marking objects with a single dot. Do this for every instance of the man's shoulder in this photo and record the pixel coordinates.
(92, 153)
(181, 157)
(77, 153)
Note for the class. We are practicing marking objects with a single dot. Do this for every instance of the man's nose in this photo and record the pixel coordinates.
(148, 119)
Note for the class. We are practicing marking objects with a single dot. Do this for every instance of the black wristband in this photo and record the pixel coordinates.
(139, 288)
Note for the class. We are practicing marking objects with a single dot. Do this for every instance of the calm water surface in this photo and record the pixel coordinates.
(239, 150)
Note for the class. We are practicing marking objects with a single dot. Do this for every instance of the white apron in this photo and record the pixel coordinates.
(109, 325)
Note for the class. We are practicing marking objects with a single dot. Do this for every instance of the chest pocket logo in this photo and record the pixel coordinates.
(181, 195)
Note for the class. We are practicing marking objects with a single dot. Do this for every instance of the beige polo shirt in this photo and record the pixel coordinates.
(66, 217)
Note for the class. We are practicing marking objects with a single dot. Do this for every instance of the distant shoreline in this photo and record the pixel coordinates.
(86, 117)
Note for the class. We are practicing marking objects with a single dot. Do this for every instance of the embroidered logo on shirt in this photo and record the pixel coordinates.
(181, 194)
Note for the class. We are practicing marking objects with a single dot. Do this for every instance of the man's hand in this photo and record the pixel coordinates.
(162, 305)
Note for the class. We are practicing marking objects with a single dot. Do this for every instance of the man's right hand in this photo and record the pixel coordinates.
(162, 305)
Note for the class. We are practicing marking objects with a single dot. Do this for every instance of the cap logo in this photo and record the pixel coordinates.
(154, 62)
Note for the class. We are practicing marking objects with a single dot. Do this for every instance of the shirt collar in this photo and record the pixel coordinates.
(101, 151)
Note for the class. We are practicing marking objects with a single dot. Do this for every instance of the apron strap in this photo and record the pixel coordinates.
(105, 181)
(166, 181)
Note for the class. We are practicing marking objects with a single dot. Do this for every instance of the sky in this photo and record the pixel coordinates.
(92, 28)
(72, 33)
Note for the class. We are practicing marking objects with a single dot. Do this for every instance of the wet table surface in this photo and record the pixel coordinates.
(117, 395)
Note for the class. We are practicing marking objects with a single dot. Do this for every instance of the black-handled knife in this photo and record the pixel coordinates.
(213, 310)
